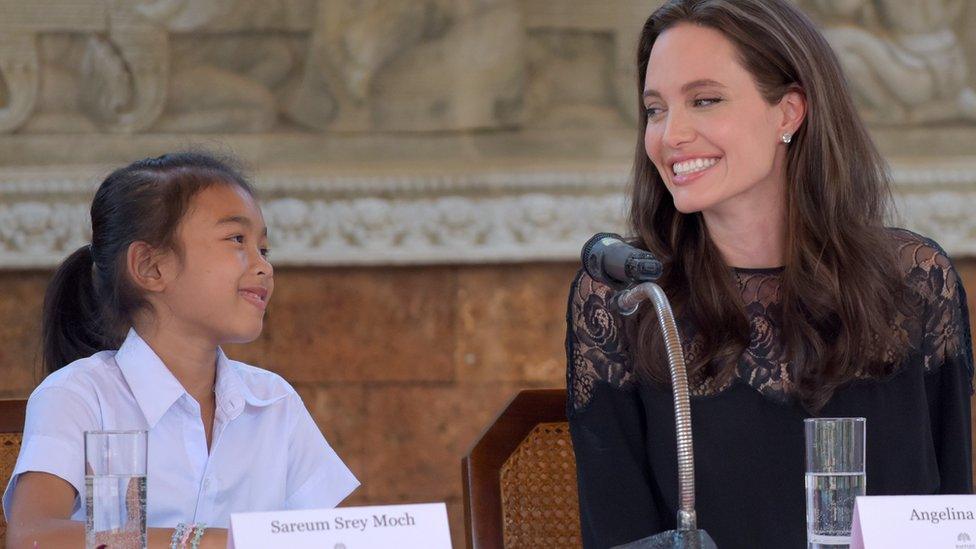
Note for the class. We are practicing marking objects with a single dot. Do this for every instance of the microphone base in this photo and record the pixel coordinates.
(673, 539)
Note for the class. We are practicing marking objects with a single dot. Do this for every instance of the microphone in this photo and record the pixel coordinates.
(608, 259)
(632, 272)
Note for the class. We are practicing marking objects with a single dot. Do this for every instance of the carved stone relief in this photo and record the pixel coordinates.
(124, 92)
(19, 78)
(418, 65)
(219, 66)
(595, 38)
(905, 60)
(405, 82)
(555, 96)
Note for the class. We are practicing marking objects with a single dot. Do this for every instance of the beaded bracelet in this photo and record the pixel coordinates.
(177, 541)
(186, 535)
(199, 529)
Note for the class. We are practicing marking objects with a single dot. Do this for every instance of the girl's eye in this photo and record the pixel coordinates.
(652, 112)
(707, 101)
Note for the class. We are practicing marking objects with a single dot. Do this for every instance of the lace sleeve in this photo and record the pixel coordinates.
(945, 348)
(933, 280)
(596, 349)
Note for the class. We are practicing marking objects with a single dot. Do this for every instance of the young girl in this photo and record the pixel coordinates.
(177, 267)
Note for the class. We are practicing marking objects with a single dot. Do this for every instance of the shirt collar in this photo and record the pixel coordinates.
(237, 384)
(230, 389)
(155, 388)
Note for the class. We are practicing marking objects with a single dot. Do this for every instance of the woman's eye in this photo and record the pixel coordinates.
(652, 112)
(239, 238)
(265, 252)
(707, 101)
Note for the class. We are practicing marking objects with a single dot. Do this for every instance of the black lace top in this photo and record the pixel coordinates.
(748, 433)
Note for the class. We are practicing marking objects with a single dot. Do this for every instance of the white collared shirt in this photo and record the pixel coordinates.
(267, 453)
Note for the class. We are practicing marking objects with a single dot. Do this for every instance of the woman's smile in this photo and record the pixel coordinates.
(685, 170)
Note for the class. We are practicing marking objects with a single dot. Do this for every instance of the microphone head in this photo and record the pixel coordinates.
(593, 262)
(607, 258)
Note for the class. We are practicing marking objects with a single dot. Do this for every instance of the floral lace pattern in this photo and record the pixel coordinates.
(930, 321)
(595, 346)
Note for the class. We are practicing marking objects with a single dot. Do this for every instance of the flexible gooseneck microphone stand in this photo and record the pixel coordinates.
(631, 271)
(687, 536)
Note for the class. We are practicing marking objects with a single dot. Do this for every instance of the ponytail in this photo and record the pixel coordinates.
(71, 323)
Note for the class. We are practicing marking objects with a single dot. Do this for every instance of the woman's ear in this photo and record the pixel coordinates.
(793, 106)
(144, 266)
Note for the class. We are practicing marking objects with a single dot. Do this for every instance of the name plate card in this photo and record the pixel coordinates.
(896, 522)
(419, 526)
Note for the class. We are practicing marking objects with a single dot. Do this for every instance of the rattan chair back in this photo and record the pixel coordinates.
(540, 505)
(12, 414)
(520, 478)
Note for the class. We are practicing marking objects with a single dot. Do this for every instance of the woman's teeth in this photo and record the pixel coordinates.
(692, 166)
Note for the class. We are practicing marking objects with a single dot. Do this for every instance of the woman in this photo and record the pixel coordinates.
(758, 185)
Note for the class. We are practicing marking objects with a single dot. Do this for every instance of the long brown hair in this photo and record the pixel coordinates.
(840, 279)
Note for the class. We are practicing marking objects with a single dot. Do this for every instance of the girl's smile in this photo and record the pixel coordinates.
(255, 295)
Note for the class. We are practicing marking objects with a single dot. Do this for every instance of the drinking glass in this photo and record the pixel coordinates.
(115, 489)
(835, 477)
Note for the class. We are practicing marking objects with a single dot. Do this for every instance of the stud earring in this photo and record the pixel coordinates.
(787, 138)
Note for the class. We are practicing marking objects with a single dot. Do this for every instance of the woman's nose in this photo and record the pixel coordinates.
(677, 129)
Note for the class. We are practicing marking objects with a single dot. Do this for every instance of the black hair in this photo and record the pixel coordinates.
(90, 301)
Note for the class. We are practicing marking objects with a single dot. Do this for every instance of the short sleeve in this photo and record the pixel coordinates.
(317, 477)
(53, 440)
(618, 499)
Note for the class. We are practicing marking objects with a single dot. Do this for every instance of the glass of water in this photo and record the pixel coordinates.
(115, 489)
(835, 477)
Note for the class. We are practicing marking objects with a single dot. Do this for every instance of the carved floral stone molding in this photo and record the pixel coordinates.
(319, 219)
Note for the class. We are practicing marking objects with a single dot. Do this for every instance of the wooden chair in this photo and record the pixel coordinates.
(520, 478)
(12, 414)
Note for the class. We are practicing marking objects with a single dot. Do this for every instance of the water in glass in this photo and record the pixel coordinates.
(830, 505)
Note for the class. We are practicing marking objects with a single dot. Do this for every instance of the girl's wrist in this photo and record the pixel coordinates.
(178, 539)
(187, 536)
(194, 539)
